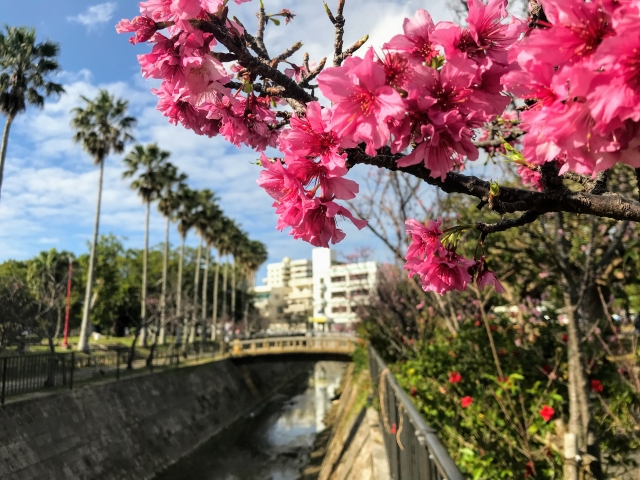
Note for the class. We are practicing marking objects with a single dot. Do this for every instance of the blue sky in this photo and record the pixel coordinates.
(49, 190)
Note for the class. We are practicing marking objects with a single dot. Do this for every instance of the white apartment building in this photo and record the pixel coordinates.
(338, 289)
(322, 290)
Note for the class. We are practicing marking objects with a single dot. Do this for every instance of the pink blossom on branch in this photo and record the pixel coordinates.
(416, 41)
(363, 103)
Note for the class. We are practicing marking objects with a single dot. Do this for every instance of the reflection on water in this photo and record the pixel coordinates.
(272, 444)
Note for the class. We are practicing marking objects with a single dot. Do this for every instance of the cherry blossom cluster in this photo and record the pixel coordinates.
(580, 76)
(194, 90)
(432, 87)
(439, 267)
(304, 191)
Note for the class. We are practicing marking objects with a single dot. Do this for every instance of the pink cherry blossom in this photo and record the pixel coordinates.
(143, 27)
(486, 277)
(530, 177)
(415, 42)
(425, 240)
(362, 101)
(487, 38)
(616, 94)
(311, 174)
(446, 273)
(577, 30)
(318, 225)
(309, 137)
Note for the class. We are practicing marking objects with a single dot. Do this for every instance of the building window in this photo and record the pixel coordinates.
(338, 294)
(338, 279)
(359, 276)
(360, 292)
(339, 309)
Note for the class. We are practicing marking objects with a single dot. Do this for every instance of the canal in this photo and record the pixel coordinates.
(272, 443)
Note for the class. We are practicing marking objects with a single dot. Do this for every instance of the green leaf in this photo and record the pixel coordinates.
(494, 189)
(275, 20)
(532, 429)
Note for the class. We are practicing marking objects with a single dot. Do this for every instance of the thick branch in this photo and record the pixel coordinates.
(235, 45)
(510, 200)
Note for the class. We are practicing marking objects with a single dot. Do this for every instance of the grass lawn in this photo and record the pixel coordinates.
(100, 344)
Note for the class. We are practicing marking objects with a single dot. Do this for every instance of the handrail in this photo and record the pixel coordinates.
(300, 344)
(408, 457)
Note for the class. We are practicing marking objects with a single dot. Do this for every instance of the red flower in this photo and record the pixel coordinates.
(414, 391)
(466, 401)
(455, 377)
(596, 386)
(393, 429)
(565, 338)
(502, 351)
(529, 469)
(547, 412)
(546, 368)
(493, 328)
(477, 323)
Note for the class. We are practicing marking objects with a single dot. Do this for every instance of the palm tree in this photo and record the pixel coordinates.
(24, 68)
(207, 210)
(101, 127)
(211, 228)
(255, 255)
(187, 199)
(221, 242)
(150, 162)
(168, 205)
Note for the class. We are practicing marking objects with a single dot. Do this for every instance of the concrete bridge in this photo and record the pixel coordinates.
(321, 345)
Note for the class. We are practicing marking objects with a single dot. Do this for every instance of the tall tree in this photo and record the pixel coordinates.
(25, 67)
(204, 215)
(221, 242)
(211, 228)
(168, 205)
(47, 280)
(102, 127)
(188, 200)
(149, 163)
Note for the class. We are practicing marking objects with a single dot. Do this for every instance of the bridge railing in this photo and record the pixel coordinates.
(39, 372)
(280, 345)
(413, 447)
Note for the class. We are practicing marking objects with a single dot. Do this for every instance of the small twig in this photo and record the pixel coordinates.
(501, 226)
(313, 73)
(351, 50)
(262, 21)
(338, 21)
(286, 54)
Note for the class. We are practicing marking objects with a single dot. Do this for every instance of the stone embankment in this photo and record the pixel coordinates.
(352, 446)
(131, 429)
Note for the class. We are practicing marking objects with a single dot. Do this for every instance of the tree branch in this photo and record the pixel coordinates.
(525, 218)
(510, 200)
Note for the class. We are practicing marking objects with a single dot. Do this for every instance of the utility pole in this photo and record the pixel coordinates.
(65, 342)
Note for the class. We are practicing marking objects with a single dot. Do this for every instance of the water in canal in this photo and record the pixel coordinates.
(273, 443)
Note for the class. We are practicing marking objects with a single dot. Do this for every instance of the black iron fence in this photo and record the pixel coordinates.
(413, 447)
(29, 373)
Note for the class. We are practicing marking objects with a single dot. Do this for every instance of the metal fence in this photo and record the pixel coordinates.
(413, 447)
(21, 374)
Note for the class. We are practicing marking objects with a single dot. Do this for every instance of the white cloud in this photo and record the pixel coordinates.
(95, 15)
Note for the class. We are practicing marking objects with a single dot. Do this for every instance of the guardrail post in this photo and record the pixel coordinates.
(4, 380)
(73, 367)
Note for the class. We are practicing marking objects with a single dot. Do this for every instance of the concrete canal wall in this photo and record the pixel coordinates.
(133, 428)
